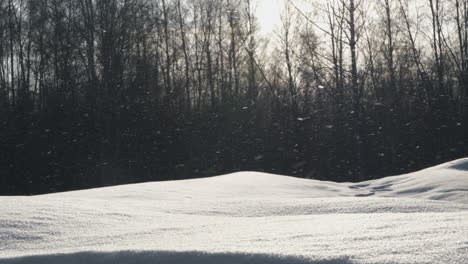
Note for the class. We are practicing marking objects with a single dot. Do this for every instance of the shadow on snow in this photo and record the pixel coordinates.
(162, 257)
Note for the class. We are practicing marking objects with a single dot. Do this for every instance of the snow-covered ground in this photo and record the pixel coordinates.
(246, 217)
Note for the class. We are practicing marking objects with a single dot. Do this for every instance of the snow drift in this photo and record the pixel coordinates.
(246, 217)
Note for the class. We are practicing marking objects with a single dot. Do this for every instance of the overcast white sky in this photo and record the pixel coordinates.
(268, 12)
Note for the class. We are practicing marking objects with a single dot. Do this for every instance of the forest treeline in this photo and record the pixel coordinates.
(102, 92)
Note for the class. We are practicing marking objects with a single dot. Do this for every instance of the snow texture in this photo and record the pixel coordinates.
(246, 217)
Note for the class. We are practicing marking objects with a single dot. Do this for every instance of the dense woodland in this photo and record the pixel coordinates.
(101, 92)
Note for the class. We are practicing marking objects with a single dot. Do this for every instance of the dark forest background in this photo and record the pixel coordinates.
(101, 92)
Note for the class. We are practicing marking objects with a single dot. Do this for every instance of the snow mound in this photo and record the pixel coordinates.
(246, 217)
(461, 164)
(446, 182)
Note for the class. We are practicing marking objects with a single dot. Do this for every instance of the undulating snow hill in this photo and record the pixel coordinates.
(246, 217)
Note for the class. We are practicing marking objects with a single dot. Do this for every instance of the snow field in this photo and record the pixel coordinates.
(247, 217)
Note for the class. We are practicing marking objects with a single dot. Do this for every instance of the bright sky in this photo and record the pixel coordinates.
(268, 12)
